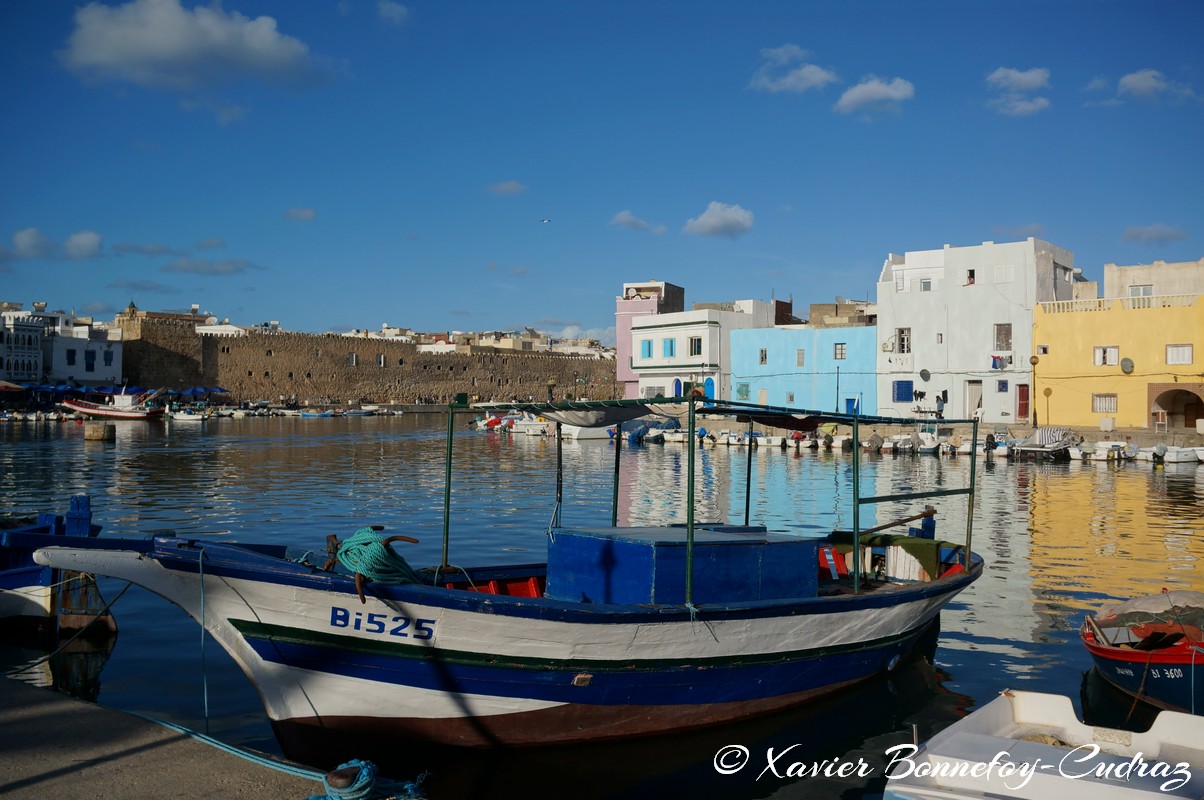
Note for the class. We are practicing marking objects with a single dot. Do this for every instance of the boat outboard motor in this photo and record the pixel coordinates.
(1159, 453)
(989, 444)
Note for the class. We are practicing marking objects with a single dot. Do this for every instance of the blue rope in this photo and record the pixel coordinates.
(366, 553)
(368, 786)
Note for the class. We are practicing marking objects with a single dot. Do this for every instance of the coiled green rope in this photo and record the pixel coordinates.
(367, 786)
(365, 553)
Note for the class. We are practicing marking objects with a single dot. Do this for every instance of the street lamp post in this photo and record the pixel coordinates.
(1033, 396)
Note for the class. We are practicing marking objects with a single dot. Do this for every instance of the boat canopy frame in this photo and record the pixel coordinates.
(606, 413)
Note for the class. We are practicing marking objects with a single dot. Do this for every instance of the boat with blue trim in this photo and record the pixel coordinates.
(1152, 648)
(621, 631)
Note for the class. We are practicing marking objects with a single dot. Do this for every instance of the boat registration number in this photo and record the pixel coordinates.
(401, 627)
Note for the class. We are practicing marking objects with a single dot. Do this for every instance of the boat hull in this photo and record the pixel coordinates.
(464, 668)
(1172, 678)
(97, 411)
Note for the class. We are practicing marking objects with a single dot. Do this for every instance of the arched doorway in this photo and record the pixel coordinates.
(677, 387)
(1184, 406)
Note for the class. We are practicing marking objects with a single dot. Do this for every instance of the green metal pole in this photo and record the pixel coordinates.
(856, 510)
(690, 506)
(614, 503)
(748, 474)
(559, 476)
(970, 497)
(447, 480)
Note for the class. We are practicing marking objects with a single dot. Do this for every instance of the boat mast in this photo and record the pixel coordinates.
(690, 447)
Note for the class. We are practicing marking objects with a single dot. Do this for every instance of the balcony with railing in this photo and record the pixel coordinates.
(1127, 303)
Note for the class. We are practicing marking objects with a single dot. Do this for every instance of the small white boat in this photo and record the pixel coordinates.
(1167, 454)
(188, 415)
(1031, 746)
(576, 432)
(1106, 451)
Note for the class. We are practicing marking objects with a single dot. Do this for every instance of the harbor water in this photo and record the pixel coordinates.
(1059, 540)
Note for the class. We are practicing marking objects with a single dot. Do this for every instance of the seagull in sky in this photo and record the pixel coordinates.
(545, 221)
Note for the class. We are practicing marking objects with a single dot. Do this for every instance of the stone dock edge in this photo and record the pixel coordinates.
(56, 746)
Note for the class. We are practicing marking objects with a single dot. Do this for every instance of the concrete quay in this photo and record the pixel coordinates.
(52, 745)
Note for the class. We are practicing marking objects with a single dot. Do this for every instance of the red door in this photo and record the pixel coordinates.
(1022, 402)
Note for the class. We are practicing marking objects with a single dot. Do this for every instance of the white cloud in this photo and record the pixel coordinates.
(31, 243)
(1157, 234)
(785, 70)
(1016, 90)
(1152, 86)
(303, 214)
(605, 336)
(506, 188)
(875, 94)
(1006, 79)
(158, 44)
(1017, 106)
(720, 219)
(625, 219)
(197, 266)
(392, 12)
(1098, 84)
(82, 245)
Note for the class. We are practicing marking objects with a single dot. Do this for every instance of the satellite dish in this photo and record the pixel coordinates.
(1126, 365)
(210, 320)
(840, 301)
(925, 374)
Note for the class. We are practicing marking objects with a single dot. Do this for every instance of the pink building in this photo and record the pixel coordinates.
(640, 300)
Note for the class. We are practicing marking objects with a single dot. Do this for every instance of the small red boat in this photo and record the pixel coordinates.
(1152, 648)
(121, 406)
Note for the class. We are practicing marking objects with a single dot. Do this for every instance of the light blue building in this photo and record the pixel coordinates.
(817, 368)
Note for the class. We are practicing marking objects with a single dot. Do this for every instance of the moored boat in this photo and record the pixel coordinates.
(1032, 746)
(619, 632)
(1152, 648)
(120, 406)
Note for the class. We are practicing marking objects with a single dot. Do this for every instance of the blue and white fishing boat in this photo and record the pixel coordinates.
(621, 631)
(36, 599)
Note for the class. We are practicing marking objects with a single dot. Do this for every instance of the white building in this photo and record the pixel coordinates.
(671, 351)
(56, 347)
(956, 323)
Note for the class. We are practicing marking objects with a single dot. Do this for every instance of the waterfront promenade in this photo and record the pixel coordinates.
(57, 746)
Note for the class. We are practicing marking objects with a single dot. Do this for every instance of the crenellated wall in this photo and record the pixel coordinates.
(319, 369)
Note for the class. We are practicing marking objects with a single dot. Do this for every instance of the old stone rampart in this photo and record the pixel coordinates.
(321, 369)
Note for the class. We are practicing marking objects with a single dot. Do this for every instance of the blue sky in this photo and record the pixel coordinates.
(339, 165)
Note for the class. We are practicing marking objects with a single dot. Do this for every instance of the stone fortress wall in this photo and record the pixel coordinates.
(329, 369)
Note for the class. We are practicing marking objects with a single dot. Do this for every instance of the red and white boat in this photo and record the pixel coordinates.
(120, 406)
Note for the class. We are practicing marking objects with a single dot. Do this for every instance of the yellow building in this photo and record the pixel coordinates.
(1129, 362)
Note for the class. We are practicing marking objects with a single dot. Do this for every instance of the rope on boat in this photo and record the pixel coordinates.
(357, 780)
(366, 553)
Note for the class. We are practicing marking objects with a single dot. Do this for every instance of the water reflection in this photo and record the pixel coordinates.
(1058, 539)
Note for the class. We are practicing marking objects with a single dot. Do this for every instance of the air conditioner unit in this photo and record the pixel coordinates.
(887, 347)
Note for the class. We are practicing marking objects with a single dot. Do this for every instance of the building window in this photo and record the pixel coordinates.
(902, 340)
(763, 356)
(1103, 403)
(800, 358)
(1178, 354)
(789, 398)
(1042, 349)
(940, 338)
(1142, 290)
(669, 348)
(71, 358)
(352, 360)
(695, 345)
(1001, 386)
(1003, 336)
(926, 284)
(902, 391)
(969, 277)
(1003, 273)
(108, 358)
(1107, 356)
(380, 359)
(742, 391)
(89, 361)
(646, 348)
(900, 283)
(839, 351)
